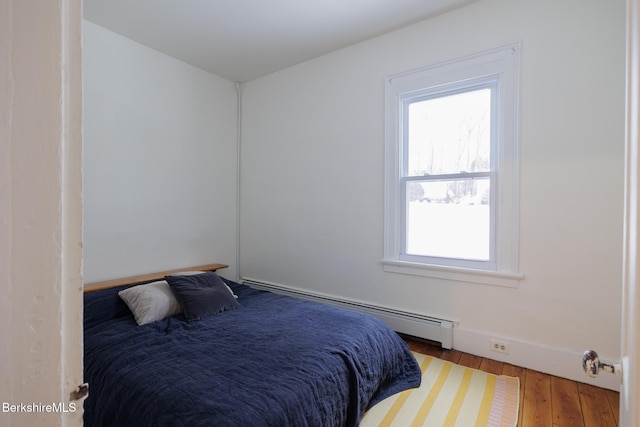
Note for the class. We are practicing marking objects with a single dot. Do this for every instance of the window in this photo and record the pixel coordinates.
(452, 169)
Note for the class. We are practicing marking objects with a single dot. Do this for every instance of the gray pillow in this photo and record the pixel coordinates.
(201, 295)
(192, 273)
(150, 302)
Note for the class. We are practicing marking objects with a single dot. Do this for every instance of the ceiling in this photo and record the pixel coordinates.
(241, 40)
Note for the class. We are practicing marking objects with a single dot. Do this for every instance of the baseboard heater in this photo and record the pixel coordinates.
(429, 328)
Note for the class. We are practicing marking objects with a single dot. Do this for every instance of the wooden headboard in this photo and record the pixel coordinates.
(144, 278)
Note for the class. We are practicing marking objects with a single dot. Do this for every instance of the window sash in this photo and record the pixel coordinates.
(405, 100)
(455, 88)
(491, 263)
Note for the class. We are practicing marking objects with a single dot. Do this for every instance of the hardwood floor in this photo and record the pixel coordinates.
(545, 400)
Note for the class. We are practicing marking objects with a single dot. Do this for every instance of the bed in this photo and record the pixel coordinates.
(269, 360)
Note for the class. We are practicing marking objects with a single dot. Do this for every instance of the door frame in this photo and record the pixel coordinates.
(630, 348)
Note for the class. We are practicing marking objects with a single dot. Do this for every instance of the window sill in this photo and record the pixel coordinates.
(494, 278)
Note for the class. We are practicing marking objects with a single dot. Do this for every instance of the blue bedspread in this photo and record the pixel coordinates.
(275, 361)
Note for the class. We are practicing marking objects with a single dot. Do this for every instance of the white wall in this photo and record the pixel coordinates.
(40, 210)
(312, 177)
(160, 167)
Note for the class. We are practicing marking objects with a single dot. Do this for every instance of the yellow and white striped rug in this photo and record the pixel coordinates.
(450, 396)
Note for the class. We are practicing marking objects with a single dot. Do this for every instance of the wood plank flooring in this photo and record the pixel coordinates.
(545, 400)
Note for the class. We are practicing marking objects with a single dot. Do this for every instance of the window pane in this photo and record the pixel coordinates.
(449, 219)
(449, 134)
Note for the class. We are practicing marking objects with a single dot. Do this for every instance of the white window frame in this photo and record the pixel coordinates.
(497, 66)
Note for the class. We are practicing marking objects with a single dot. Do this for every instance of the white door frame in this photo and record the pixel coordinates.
(41, 210)
(630, 390)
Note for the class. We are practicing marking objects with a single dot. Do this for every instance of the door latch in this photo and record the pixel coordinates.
(80, 392)
(592, 365)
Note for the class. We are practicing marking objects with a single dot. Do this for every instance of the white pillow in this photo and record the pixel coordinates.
(192, 273)
(151, 301)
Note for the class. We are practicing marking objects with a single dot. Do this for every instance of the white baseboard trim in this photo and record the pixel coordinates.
(550, 360)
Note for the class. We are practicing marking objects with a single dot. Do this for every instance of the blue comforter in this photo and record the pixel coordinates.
(275, 361)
